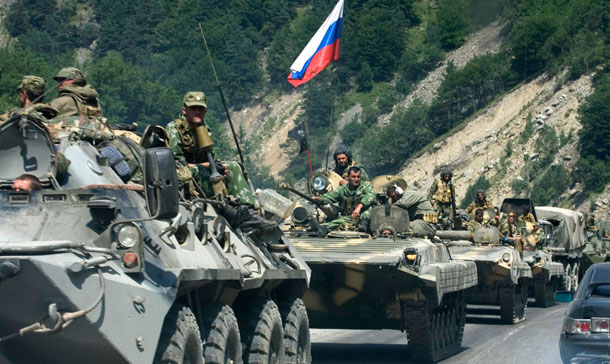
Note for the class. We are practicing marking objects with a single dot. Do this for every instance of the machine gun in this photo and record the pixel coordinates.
(331, 211)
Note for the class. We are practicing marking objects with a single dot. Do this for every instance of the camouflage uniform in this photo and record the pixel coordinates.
(78, 104)
(440, 196)
(183, 142)
(473, 225)
(527, 218)
(342, 171)
(418, 206)
(476, 205)
(509, 230)
(348, 199)
(39, 110)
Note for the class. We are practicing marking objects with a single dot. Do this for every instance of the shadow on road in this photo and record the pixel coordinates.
(334, 353)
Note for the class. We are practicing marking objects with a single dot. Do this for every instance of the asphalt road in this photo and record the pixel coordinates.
(533, 341)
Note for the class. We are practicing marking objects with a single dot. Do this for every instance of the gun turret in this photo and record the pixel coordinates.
(329, 210)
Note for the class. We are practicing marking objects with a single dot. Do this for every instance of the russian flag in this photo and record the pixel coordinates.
(321, 49)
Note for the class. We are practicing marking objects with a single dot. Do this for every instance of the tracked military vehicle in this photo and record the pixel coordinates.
(376, 281)
(503, 275)
(93, 270)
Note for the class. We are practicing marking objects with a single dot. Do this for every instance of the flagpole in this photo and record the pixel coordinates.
(332, 109)
(307, 145)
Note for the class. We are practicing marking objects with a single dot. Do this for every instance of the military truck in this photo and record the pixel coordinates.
(503, 275)
(93, 270)
(367, 280)
(566, 241)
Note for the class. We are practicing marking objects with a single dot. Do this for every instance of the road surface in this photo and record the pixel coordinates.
(486, 340)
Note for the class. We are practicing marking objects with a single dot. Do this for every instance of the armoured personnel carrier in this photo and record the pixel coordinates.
(503, 275)
(597, 246)
(548, 274)
(366, 280)
(566, 241)
(93, 270)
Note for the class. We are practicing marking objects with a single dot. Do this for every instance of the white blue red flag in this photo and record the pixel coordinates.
(321, 49)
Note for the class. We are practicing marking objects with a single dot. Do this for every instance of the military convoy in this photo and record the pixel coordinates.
(98, 271)
(367, 280)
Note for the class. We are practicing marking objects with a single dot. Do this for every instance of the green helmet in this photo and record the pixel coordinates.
(32, 83)
(71, 73)
(194, 98)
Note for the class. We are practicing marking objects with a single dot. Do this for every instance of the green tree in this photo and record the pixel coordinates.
(364, 79)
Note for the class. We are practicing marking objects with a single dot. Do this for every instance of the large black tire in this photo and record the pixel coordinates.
(434, 334)
(544, 292)
(180, 341)
(296, 331)
(220, 332)
(513, 303)
(262, 333)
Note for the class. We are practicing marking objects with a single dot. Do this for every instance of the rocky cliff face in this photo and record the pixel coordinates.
(480, 147)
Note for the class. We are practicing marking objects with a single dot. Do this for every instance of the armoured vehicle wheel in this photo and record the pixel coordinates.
(567, 279)
(544, 292)
(221, 334)
(513, 303)
(263, 334)
(434, 334)
(296, 331)
(180, 341)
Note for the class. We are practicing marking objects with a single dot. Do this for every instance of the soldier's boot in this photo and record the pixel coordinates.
(321, 229)
(247, 220)
(363, 225)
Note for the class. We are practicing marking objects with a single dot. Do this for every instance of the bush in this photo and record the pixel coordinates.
(520, 187)
(548, 187)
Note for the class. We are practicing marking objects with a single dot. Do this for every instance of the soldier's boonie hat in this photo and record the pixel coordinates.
(32, 83)
(194, 98)
(70, 73)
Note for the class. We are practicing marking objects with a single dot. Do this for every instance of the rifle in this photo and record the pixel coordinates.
(457, 221)
(331, 211)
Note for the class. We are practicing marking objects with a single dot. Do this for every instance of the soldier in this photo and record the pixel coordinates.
(538, 236)
(354, 200)
(527, 216)
(76, 97)
(421, 213)
(590, 224)
(31, 96)
(509, 228)
(183, 142)
(476, 222)
(343, 161)
(480, 201)
(440, 195)
(27, 182)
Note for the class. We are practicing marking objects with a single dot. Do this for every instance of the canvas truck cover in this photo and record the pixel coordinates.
(568, 227)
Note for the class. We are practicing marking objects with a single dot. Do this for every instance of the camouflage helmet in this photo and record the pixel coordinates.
(343, 149)
(194, 98)
(446, 170)
(71, 73)
(32, 83)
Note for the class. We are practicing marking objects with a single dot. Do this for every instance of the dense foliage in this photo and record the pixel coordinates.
(143, 55)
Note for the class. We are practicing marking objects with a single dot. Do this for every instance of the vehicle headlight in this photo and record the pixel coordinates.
(319, 183)
(506, 257)
(128, 235)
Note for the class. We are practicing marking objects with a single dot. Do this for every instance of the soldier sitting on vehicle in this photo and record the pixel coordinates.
(476, 222)
(354, 200)
(480, 201)
(511, 233)
(535, 239)
(590, 224)
(31, 96)
(183, 141)
(422, 215)
(343, 161)
(527, 216)
(441, 196)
